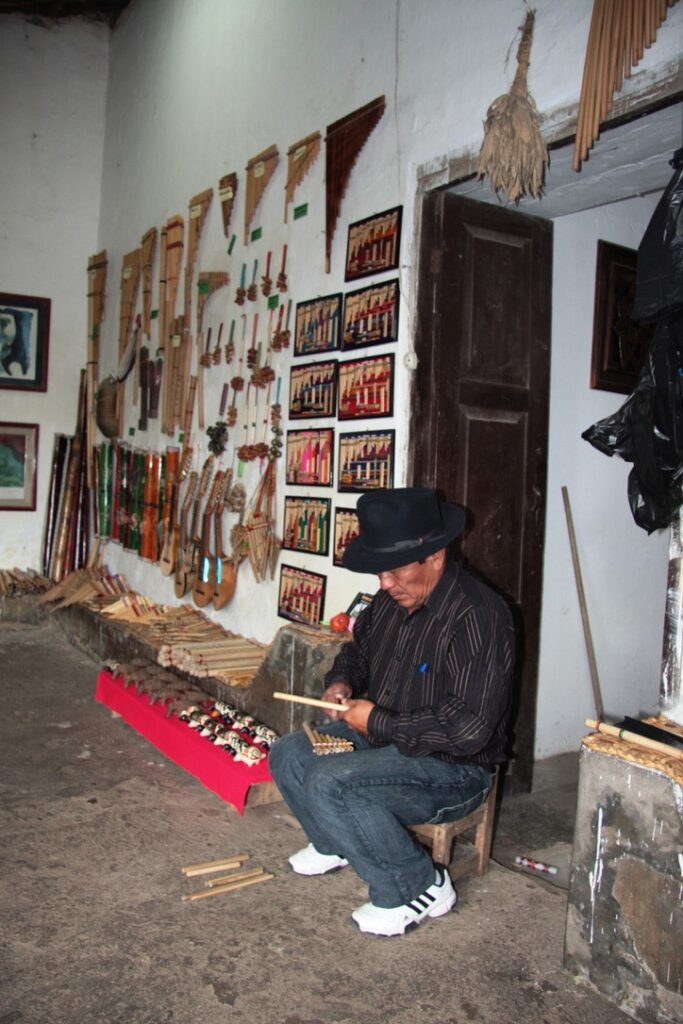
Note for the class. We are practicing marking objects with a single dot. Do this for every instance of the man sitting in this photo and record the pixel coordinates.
(424, 690)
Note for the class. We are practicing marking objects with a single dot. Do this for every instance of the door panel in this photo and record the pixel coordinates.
(480, 404)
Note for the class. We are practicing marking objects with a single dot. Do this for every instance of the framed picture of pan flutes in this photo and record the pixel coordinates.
(318, 325)
(24, 342)
(346, 528)
(313, 390)
(366, 460)
(18, 465)
(373, 245)
(307, 525)
(371, 316)
(310, 456)
(302, 595)
(619, 345)
(366, 388)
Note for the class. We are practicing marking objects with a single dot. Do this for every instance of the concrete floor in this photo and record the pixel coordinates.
(95, 825)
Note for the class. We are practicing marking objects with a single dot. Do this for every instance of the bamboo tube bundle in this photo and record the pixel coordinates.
(97, 276)
(620, 32)
(148, 247)
(199, 207)
(300, 158)
(513, 153)
(60, 458)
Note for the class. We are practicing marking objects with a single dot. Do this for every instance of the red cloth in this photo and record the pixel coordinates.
(212, 765)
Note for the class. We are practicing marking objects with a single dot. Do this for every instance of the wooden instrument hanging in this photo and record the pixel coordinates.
(202, 591)
(199, 207)
(131, 271)
(148, 249)
(260, 170)
(227, 190)
(344, 140)
(181, 539)
(300, 158)
(68, 507)
(187, 570)
(97, 276)
(618, 36)
(174, 480)
(225, 570)
(175, 229)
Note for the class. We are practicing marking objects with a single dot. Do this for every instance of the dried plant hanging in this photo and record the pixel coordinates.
(513, 153)
(619, 34)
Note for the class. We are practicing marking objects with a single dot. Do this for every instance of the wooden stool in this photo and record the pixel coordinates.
(442, 837)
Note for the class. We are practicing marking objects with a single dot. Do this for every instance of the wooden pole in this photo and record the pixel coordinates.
(635, 738)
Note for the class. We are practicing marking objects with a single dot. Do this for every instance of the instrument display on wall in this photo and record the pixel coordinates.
(260, 170)
(344, 140)
(300, 158)
(199, 207)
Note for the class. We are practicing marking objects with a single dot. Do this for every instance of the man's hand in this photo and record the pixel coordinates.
(337, 692)
(357, 715)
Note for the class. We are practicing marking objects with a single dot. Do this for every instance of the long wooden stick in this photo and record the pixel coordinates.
(595, 680)
(308, 700)
(225, 888)
(635, 738)
(224, 879)
(215, 865)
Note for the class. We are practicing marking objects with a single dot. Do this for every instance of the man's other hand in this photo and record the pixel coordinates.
(357, 714)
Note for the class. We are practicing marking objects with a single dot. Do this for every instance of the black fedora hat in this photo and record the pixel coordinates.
(401, 525)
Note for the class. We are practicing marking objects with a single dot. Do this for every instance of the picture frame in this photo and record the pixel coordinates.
(620, 346)
(18, 466)
(346, 528)
(366, 388)
(310, 457)
(301, 595)
(359, 603)
(366, 460)
(371, 316)
(307, 525)
(313, 390)
(24, 342)
(373, 244)
(318, 325)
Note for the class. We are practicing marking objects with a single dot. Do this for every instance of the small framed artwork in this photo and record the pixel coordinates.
(18, 465)
(313, 390)
(366, 388)
(359, 603)
(373, 245)
(307, 525)
(371, 316)
(302, 595)
(24, 342)
(310, 457)
(619, 345)
(345, 530)
(318, 325)
(366, 460)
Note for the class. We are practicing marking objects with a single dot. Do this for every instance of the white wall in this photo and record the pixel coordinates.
(623, 569)
(196, 90)
(53, 85)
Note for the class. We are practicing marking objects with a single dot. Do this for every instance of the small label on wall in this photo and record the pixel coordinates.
(300, 211)
(273, 301)
(256, 234)
(232, 245)
(154, 314)
(203, 287)
(131, 431)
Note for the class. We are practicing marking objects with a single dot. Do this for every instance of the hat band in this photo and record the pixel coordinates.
(402, 545)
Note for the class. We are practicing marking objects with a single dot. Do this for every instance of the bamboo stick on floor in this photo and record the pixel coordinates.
(225, 888)
(207, 866)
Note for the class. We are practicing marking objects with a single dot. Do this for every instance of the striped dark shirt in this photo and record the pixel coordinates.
(441, 678)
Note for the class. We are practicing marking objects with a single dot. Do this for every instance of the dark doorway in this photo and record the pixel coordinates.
(480, 405)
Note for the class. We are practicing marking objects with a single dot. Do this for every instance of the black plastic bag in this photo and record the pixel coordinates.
(659, 277)
(648, 431)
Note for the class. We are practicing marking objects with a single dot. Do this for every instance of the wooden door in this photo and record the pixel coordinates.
(480, 406)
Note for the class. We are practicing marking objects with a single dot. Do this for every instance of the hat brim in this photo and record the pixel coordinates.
(358, 557)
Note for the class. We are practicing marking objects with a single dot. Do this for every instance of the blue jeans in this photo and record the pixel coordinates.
(357, 804)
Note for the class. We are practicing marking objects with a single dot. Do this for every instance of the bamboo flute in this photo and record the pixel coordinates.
(225, 888)
(314, 702)
(634, 738)
(222, 879)
(222, 864)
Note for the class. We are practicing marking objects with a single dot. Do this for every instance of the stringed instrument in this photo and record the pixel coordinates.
(186, 567)
(181, 534)
(225, 569)
(202, 591)
(169, 546)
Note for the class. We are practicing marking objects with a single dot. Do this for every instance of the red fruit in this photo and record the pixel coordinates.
(339, 623)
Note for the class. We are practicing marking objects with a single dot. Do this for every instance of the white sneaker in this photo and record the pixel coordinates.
(309, 862)
(438, 899)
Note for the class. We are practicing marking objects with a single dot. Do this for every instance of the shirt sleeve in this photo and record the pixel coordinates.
(351, 663)
(468, 700)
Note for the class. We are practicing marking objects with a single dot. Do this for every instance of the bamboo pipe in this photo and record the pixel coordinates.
(635, 738)
(309, 700)
(225, 888)
(223, 879)
(224, 863)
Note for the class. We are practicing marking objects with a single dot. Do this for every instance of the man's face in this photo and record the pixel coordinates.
(411, 584)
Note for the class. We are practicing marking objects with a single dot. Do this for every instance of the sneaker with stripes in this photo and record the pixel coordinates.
(438, 899)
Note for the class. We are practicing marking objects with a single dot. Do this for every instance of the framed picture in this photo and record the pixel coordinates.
(373, 245)
(18, 465)
(345, 530)
(366, 388)
(318, 325)
(359, 602)
(619, 345)
(366, 460)
(307, 525)
(310, 457)
(371, 316)
(313, 390)
(24, 342)
(302, 595)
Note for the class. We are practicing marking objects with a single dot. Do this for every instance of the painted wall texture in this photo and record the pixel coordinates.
(195, 91)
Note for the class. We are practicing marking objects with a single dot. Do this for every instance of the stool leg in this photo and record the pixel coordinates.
(442, 846)
(484, 833)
